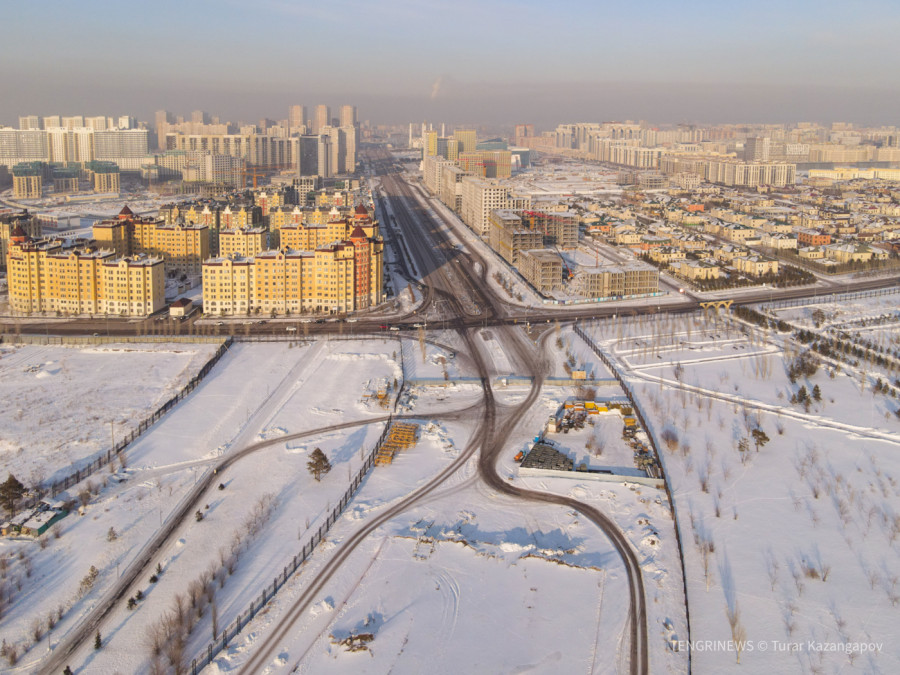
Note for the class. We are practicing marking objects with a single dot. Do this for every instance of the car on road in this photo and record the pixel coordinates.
(291, 329)
(305, 320)
(320, 320)
(220, 323)
(394, 328)
(352, 320)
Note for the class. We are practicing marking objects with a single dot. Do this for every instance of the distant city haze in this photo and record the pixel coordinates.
(458, 62)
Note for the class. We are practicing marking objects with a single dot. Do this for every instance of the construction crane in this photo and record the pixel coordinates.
(262, 170)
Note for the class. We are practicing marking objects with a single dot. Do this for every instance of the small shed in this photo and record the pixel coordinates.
(181, 307)
(41, 521)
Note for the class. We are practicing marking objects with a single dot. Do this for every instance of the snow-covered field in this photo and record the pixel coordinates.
(488, 584)
(61, 405)
(790, 545)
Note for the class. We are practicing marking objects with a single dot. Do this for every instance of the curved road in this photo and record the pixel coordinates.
(90, 623)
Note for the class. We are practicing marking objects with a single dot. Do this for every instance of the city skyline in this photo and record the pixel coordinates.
(669, 63)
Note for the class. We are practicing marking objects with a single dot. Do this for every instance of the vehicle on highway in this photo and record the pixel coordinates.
(220, 323)
(291, 329)
(305, 320)
(352, 320)
(394, 328)
(320, 320)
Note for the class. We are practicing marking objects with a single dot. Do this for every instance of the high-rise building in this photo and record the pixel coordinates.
(523, 131)
(429, 143)
(309, 155)
(322, 118)
(756, 149)
(480, 196)
(348, 116)
(297, 119)
(324, 167)
(163, 119)
(128, 148)
(200, 117)
(22, 145)
(468, 139)
(351, 144)
(104, 175)
(52, 121)
(98, 123)
(28, 180)
(27, 122)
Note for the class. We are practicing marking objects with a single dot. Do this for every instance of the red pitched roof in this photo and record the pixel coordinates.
(357, 233)
(126, 211)
(361, 210)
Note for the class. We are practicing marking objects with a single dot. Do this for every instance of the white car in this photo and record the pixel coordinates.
(291, 329)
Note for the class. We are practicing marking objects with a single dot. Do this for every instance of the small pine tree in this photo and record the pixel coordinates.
(11, 491)
(760, 438)
(817, 393)
(67, 671)
(198, 516)
(318, 464)
(98, 641)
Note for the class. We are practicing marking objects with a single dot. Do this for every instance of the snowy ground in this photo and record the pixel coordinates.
(434, 582)
(58, 403)
(256, 392)
(795, 544)
(642, 513)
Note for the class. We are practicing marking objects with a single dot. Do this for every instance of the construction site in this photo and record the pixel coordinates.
(599, 437)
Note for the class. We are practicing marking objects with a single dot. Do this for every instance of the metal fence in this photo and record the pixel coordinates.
(88, 340)
(233, 629)
(99, 462)
(639, 413)
(832, 297)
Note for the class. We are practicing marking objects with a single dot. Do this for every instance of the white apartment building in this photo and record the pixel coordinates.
(480, 196)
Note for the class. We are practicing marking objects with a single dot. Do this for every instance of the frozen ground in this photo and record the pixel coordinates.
(642, 513)
(465, 582)
(791, 545)
(61, 405)
(463, 579)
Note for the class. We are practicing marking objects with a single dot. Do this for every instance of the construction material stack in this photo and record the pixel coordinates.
(402, 435)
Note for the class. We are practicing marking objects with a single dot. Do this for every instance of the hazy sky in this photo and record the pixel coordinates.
(457, 60)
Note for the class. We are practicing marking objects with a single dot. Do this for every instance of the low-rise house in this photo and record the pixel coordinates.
(755, 265)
